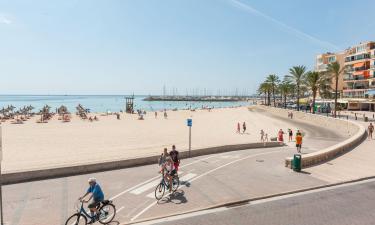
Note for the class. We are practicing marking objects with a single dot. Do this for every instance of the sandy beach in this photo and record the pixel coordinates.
(32, 145)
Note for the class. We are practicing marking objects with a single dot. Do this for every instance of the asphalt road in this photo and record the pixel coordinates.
(206, 181)
(351, 204)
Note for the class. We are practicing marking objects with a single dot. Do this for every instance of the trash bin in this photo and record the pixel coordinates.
(296, 164)
(366, 119)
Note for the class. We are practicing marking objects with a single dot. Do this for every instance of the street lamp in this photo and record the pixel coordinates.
(1, 179)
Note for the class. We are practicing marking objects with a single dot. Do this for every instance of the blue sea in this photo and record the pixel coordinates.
(102, 103)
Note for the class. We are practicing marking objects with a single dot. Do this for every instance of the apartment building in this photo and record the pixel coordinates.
(359, 79)
(357, 84)
(322, 62)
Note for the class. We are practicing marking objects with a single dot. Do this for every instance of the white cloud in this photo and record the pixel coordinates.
(283, 26)
(5, 20)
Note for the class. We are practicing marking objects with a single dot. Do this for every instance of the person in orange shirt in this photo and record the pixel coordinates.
(299, 141)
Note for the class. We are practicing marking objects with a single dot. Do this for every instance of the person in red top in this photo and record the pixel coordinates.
(175, 157)
(281, 135)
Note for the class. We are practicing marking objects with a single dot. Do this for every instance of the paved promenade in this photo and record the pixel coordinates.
(357, 163)
(343, 205)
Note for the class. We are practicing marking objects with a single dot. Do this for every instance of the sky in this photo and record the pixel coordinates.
(140, 46)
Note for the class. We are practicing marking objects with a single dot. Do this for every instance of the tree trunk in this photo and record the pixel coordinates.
(313, 103)
(298, 97)
(273, 94)
(269, 97)
(336, 86)
(265, 98)
(285, 101)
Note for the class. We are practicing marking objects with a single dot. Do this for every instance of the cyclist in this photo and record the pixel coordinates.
(163, 157)
(97, 195)
(175, 157)
(170, 170)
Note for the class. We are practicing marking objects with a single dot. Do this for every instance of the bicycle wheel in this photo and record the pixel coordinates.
(175, 183)
(107, 213)
(159, 191)
(76, 219)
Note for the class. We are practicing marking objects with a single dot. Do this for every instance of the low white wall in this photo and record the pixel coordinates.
(357, 133)
(25, 176)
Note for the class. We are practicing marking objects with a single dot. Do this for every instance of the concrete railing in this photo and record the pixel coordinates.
(356, 130)
(26, 176)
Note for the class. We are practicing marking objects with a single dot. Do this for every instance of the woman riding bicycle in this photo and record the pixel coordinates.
(170, 170)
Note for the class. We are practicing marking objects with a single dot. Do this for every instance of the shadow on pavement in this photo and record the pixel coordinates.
(114, 223)
(177, 198)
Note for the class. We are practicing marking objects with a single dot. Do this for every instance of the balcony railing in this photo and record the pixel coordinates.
(353, 79)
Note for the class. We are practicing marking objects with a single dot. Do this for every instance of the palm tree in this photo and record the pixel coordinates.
(297, 74)
(273, 81)
(265, 88)
(286, 88)
(334, 69)
(315, 81)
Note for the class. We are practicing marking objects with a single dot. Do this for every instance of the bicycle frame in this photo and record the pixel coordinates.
(83, 212)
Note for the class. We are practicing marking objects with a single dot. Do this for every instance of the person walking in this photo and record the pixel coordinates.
(281, 135)
(244, 127)
(290, 132)
(156, 114)
(262, 135)
(165, 115)
(370, 130)
(299, 141)
(238, 127)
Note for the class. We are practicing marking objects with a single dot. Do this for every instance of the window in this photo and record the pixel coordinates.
(332, 59)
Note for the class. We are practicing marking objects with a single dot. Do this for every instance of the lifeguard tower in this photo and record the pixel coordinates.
(129, 104)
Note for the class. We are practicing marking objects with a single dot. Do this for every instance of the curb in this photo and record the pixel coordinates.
(50, 173)
(246, 201)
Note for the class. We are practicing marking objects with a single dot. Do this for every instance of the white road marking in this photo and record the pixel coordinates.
(185, 178)
(151, 179)
(204, 174)
(120, 209)
(147, 186)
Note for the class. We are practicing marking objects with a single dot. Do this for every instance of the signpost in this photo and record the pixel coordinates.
(1, 179)
(189, 124)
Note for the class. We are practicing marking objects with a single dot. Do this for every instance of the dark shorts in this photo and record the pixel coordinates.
(172, 173)
(94, 204)
(297, 145)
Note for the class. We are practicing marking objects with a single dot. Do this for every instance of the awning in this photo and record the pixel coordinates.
(365, 73)
(361, 64)
(371, 92)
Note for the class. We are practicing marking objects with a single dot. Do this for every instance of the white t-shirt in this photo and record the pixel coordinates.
(169, 167)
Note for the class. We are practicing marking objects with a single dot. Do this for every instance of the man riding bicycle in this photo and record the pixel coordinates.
(175, 157)
(97, 195)
(170, 170)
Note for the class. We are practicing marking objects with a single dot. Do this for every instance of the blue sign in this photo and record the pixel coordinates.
(189, 122)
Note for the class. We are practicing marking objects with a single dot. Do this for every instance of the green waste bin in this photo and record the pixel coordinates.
(366, 119)
(296, 164)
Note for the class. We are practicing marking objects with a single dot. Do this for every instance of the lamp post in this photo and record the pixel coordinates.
(189, 124)
(1, 179)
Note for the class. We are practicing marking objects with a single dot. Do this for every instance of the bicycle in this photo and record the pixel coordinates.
(106, 209)
(160, 188)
